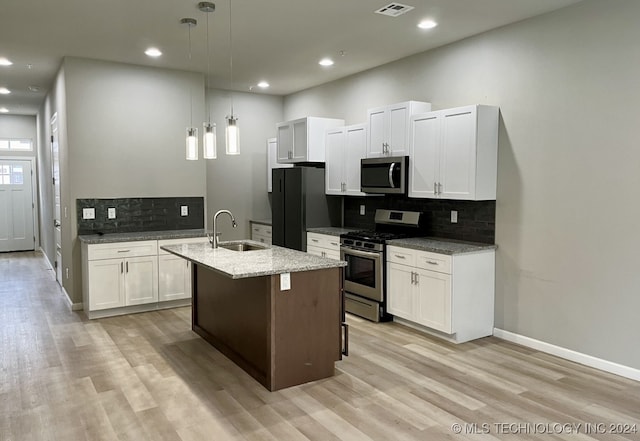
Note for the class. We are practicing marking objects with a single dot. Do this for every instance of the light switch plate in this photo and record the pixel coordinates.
(111, 213)
(285, 281)
(88, 213)
(184, 210)
(454, 217)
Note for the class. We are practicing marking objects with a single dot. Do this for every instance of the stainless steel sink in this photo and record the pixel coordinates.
(242, 246)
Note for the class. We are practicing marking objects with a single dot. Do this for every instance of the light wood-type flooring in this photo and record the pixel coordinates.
(149, 377)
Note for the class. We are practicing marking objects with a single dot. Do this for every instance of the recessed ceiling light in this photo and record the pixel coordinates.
(4, 110)
(263, 84)
(326, 62)
(427, 24)
(5, 62)
(4, 91)
(153, 52)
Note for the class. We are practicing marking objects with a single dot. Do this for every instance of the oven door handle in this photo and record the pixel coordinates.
(353, 251)
(391, 167)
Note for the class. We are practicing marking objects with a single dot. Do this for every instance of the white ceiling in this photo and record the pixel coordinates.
(280, 41)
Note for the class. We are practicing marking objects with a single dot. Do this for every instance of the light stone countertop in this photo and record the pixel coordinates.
(141, 235)
(244, 264)
(332, 231)
(441, 246)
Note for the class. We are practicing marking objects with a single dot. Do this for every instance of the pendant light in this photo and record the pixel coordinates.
(209, 129)
(232, 133)
(192, 132)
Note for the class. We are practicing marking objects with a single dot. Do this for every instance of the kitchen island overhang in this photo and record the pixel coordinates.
(281, 337)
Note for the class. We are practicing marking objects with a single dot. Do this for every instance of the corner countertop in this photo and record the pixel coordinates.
(441, 246)
(261, 221)
(331, 231)
(141, 235)
(244, 264)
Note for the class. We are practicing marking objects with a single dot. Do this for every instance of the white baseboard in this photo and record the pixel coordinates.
(568, 354)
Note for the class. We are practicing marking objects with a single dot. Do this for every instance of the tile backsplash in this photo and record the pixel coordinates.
(476, 219)
(141, 214)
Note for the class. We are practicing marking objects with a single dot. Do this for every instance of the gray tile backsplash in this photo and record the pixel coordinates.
(476, 219)
(140, 214)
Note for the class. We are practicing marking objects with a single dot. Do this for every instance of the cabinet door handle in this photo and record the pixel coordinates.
(417, 280)
(399, 256)
(121, 267)
(439, 188)
(435, 188)
(412, 279)
(127, 266)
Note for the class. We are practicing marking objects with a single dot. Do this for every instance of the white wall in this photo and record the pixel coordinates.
(239, 183)
(123, 136)
(567, 210)
(19, 126)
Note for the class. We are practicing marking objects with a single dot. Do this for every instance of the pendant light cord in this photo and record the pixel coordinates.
(231, 57)
(208, 69)
(190, 91)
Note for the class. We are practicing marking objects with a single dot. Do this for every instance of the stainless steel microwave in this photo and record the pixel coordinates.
(384, 175)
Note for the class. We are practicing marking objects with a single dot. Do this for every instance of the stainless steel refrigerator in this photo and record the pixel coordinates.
(298, 202)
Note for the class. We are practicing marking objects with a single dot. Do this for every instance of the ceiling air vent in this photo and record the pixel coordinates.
(394, 9)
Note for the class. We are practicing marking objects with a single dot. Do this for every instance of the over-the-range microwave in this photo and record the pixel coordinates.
(388, 175)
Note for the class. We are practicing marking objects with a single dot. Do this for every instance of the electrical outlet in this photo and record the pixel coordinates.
(285, 281)
(362, 210)
(454, 217)
(111, 213)
(88, 213)
(184, 210)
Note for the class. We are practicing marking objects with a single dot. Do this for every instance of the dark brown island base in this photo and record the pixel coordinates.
(241, 305)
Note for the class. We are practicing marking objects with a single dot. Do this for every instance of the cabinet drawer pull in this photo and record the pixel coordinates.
(399, 256)
(314, 240)
(431, 262)
(335, 244)
(124, 251)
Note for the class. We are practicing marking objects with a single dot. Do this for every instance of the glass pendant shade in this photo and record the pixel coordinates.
(209, 141)
(192, 143)
(233, 136)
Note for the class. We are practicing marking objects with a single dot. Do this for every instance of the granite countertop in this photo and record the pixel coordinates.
(332, 231)
(141, 235)
(261, 221)
(243, 264)
(442, 246)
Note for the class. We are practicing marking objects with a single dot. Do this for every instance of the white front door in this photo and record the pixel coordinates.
(16, 206)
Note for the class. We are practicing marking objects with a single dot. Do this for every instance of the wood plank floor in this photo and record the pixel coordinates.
(149, 377)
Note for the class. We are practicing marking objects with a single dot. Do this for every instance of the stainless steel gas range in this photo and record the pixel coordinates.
(365, 274)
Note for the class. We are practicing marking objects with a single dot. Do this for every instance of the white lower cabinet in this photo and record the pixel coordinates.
(261, 233)
(174, 275)
(123, 277)
(323, 245)
(453, 295)
(113, 280)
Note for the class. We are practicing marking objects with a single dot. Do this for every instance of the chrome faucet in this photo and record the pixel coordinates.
(214, 240)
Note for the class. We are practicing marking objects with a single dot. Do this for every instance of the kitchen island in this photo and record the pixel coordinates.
(277, 313)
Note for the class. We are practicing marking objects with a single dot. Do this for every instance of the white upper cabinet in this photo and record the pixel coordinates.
(302, 140)
(454, 153)
(345, 147)
(272, 153)
(389, 128)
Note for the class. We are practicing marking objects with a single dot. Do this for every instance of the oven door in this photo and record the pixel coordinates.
(363, 273)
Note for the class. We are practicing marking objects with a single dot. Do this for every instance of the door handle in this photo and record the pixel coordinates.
(345, 348)
(391, 167)
(121, 267)
(127, 265)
